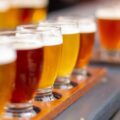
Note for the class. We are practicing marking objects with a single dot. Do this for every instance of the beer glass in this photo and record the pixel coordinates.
(87, 29)
(70, 49)
(108, 22)
(21, 12)
(7, 74)
(52, 53)
(28, 72)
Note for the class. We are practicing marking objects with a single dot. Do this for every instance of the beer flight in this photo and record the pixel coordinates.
(35, 59)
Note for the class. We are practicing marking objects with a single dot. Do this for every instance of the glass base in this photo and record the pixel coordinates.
(19, 110)
(80, 74)
(45, 95)
(110, 55)
(63, 83)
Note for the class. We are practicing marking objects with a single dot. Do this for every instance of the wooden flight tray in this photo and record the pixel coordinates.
(49, 110)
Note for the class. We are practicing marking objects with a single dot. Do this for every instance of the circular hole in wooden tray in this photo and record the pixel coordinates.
(74, 84)
(36, 109)
(57, 95)
(89, 74)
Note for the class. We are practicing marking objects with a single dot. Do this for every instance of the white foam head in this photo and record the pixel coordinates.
(29, 3)
(26, 43)
(67, 27)
(108, 13)
(51, 36)
(87, 26)
(4, 5)
(7, 55)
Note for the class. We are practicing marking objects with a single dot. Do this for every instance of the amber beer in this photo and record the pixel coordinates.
(16, 12)
(7, 75)
(87, 31)
(108, 21)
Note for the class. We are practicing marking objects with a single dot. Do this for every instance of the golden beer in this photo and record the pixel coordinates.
(16, 12)
(52, 55)
(7, 75)
(69, 51)
(70, 48)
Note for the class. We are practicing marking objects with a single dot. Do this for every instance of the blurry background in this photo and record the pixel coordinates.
(16, 12)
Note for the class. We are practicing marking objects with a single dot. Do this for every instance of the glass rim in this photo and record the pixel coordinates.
(34, 26)
(58, 23)
(13, 32)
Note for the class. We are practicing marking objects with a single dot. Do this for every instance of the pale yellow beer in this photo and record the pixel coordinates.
(7, 75)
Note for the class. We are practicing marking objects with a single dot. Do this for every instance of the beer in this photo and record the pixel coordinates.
(52, 51)
(7, 75)
(15, 12)
(29, 67)
(70, 49)
(87, 31)
(28, 72)
(108, 21)
(52, 39)
(52, 55)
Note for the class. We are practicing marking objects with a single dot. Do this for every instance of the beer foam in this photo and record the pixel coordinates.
(65, 27)
(69, 30)
(27, 45)
(29, 3)
(50, 37)
(111, 13)
(4, 5)
(52, 41)
(27, 40)
(87, 28)
(7, 55)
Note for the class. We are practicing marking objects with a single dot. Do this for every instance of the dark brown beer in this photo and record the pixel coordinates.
(28, 70)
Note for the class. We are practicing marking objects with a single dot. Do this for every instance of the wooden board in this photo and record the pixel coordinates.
(49, 110)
